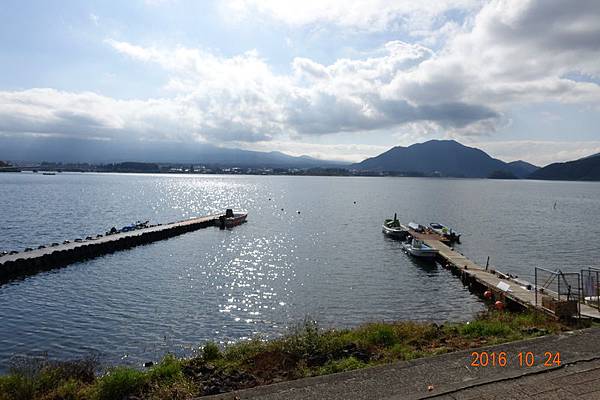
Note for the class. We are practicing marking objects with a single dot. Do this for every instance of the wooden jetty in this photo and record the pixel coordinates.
(27, 263)
(514, 292)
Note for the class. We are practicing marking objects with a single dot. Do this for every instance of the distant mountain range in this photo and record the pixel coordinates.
(443, 158)
(102, 151)
(433, 158)
(584, 169)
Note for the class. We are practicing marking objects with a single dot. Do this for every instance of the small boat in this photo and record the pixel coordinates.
(416, 227)
(393, 228)
(48, 173)
(417, 248)
(446, 232)
(231, 219)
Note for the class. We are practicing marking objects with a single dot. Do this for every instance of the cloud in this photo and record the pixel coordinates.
(540, 152)
(373, 15)
(338, 152)
(95, 19)
(509, 53)
(315, 99)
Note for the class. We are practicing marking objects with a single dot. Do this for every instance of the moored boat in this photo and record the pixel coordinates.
(393, 228)
(231, 219)
(417, 248)
(416, 227)
(446, 232)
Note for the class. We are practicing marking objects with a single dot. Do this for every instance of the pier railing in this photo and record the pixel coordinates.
(590, 282)
(559, 292)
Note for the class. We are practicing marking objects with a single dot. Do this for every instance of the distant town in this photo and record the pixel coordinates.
(175, 168)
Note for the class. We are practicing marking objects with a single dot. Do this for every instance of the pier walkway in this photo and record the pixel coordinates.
(27, 263)
(514, 290)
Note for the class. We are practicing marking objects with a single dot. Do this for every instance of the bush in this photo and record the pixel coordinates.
(482, 328)
(380, 335)
(244, 350)
(168, 370)
(69, 390)
(401, 351)
(346, 364)
(211, 351)
(16, 387)
(120, 383)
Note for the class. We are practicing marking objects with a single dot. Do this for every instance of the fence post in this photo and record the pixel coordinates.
(598, 289)
(536, 287)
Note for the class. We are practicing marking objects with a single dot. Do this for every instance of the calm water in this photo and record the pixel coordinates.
(330, 262)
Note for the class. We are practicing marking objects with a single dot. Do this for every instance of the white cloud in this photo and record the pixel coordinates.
(510, 53)
(337, 152)
(373, 15)
(540, 152)
(95, 19)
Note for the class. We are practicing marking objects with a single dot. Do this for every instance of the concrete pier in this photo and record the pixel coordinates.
(27, 263)
(519, 293)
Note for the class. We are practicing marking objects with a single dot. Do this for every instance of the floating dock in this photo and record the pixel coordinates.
(28, 263)
(517, 292)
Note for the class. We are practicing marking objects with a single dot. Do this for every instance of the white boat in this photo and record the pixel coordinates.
(393, 228)
(446, 232)
(416, 227)
(417, 248)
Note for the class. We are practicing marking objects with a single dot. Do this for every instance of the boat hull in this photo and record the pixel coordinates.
(397, 233)
(236, 220)
(422, 253)
(420, 250)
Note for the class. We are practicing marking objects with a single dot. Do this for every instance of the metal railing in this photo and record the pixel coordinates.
(590, 282)
(559, 286)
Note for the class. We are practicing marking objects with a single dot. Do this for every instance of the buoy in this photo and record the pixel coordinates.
(499, 305)
(282, 209)
(355, 202)
(298, 212)
(487, 294)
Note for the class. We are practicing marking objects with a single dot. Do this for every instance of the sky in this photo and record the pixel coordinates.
(333, 79)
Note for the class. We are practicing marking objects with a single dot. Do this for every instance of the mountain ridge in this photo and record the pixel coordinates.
(101, 152)
(583, 169)
(442, 158)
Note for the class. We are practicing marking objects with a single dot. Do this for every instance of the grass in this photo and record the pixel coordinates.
(306, 351)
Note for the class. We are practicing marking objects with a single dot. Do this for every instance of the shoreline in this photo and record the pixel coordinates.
(305, 352)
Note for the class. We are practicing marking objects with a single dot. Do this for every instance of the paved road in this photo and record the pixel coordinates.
(576, 381)
(451, 376)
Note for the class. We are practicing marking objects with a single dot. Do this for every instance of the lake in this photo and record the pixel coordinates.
(312, 248)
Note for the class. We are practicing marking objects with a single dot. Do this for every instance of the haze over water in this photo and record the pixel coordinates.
(330, 261)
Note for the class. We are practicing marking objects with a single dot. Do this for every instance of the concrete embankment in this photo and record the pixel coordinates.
(451, 376)
(27, 263)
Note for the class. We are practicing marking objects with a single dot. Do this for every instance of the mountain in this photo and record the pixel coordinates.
(442, 158)
(108, 151)
(522, 168)
(584, 169)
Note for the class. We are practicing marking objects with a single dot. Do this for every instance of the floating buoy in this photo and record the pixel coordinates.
(282, 209)
(298, 212)
(355, 202)
(499, 305)
(487, 294)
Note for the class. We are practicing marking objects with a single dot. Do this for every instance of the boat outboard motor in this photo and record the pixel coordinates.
(229, 213)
